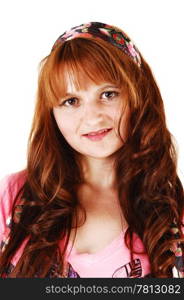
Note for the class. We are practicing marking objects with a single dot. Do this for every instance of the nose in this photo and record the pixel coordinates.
(92, 114)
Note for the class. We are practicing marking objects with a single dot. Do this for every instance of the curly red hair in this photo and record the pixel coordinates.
(149, 189)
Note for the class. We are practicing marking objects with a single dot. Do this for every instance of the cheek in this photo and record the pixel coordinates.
(64, 123)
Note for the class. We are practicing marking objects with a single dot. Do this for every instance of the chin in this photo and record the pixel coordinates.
(98, 155)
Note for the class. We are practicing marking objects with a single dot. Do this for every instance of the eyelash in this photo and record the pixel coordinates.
(66, 101)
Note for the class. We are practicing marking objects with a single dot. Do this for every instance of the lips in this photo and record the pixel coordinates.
(98, 131)
(97, 135)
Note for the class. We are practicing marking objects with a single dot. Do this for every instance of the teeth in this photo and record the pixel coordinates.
(101, 131)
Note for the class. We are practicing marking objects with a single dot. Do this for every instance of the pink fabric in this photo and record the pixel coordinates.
(112, 261)
(9, 187)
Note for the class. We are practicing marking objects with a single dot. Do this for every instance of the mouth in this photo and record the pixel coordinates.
(97, 135)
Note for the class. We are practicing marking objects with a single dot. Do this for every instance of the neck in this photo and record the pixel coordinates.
(98, 172)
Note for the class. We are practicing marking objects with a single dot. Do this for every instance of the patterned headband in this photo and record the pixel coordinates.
(109, 33)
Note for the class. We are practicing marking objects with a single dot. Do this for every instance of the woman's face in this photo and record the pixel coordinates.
(88, 118)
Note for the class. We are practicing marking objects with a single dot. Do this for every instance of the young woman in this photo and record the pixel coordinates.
(100, 195)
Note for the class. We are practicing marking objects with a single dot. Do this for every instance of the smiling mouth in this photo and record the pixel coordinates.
(98, 135)
(98, 131)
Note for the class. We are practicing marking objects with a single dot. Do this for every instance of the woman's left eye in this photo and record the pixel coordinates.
(110, 94)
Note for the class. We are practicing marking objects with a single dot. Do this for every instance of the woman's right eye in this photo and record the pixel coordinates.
(69, 102)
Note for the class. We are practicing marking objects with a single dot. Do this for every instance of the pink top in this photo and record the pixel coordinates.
(111, 261)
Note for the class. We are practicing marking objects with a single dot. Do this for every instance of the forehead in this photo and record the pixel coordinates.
(73, 81)
(77, 79)
(84, 83)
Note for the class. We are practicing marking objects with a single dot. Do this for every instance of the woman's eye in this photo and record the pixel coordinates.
(69, 102)
(110, 94)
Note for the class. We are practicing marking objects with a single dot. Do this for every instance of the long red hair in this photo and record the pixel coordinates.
(150, 192)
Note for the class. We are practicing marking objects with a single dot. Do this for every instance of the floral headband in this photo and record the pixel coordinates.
(109, 33)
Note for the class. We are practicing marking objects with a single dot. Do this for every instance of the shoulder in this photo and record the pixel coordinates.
(11, 183)
(9, 187)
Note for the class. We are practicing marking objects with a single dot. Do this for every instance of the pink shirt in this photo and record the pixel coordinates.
(111, 261)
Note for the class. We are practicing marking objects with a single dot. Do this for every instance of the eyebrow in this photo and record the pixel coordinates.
(98, 90)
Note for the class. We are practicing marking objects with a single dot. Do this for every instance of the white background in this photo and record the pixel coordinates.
(28, 30)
